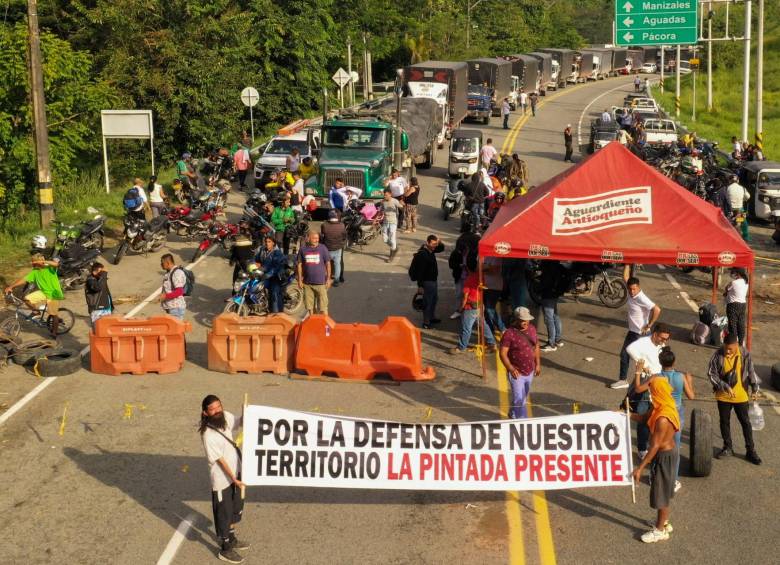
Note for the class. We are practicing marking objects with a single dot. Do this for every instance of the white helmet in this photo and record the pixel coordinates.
(39, 242)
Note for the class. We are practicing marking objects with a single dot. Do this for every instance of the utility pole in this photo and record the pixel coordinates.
(45, 192)
(709, 57)
(746, 73)
(351, 83)
(365, 69)
(677, 84)
(760, 78)
(398, 159)
(663, 51)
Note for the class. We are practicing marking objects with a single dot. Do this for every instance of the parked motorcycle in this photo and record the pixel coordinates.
(75, 265)
(363, 221)
(582, 278)
(190, 222)
(88, 234)
(220, 233)
(142, 236)
(452, 200)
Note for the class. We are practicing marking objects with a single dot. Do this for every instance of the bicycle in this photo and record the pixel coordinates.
(20, 311)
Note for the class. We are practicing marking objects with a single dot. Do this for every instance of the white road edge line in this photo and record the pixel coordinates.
(582, 115)
(673, 281)
(772, 397)
(5, 416)
(176, 540)
(685, 296)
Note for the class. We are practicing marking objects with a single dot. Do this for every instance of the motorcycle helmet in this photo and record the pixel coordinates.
(500, 197)
(251, 268)
(186, 155)
(39, 242)
(418, 302)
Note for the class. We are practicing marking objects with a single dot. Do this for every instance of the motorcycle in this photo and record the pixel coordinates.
(88, 234)
(582, 277)
(363, 221)
(75, 265)
(220, 233)
(251, 295)
(142, 236)
(190, 222)
(453, 200)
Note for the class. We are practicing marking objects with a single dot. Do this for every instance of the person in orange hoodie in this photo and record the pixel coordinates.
(663, 421)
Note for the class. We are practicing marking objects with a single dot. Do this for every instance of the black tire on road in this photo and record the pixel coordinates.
(293, 300)
(57, 364)
(28, 352)
(120, 252)
(701, 443)
(776, 376)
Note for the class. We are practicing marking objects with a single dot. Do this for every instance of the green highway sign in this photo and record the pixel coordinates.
(649, 22)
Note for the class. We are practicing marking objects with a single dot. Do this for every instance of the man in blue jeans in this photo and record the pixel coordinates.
(554, 282)
(470, 314)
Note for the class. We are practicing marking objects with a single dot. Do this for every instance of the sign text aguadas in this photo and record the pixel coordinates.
(646, 22)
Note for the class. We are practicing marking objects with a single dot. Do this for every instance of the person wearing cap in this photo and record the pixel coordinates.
(44, 276)
(334, 236)
(567, 141)
(521, 356)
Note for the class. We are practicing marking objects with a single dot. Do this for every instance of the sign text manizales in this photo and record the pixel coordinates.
(647, 22)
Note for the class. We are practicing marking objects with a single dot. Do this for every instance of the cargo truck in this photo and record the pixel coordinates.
(619, 61)
(602, 62)
(496, 75)
(565, 62)
(635, 59)
(583, 62)
(362, 146)
(526, 69)
(446, 82)
(546, 72)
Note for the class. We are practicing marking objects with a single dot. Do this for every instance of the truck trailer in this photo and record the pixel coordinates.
(446, 82)
(583, 62)
(635, 59)
(545, 72)
(526, 69)
(619, 57)
(565, 62)
(496, 74)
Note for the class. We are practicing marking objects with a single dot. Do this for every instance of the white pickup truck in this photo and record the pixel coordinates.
(660, 132)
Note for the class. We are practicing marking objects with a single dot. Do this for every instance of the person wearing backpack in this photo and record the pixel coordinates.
(135, 200)
(174, 288)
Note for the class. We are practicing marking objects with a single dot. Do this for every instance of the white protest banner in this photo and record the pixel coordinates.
(288, 448)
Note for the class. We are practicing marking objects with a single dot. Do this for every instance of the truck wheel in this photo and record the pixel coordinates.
(776, 376)
(428, 160)
(701, 443)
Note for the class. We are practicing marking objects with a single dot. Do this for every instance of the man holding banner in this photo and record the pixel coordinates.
(224, 457)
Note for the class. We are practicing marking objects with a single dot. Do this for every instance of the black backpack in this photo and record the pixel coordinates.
(132, 199)
(189, 284)
(707, 313)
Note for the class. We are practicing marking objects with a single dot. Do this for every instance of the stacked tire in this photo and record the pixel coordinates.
(46, 359)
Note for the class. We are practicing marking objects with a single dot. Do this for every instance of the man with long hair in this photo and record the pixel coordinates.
(224, 457)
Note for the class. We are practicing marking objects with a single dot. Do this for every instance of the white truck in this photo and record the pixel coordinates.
(658, 132)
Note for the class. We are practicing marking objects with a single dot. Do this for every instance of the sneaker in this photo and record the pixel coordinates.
(549, 347)
(642, 455)
(335, 284)
(655, 535)
(426, 326)
(455, 315)
(620, 383)
(667, 526)
(435, 321)
(677, 486)
(559, 344)
(723, 453)
(455, 350)
(753, 457)
(230, 555)
(238, 544)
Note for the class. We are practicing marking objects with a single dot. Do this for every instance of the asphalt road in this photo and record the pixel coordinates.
(104, 469)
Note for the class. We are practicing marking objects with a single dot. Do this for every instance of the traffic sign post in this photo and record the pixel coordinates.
(342, 78)
(643, 22)
(250, 97)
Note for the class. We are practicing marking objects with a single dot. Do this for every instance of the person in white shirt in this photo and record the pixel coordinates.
(644, 353)
(156, 196)
(736, 303)
(523, 100)
(736, 148)
(642, 314)
(505, 111)
(606, 116)
(397, 185)
(297, 191)
(737, 194)
(224, 459)
(487, 153)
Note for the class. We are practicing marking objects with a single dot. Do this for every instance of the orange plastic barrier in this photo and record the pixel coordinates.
(137, 345)
(361, 351)
(254, 344)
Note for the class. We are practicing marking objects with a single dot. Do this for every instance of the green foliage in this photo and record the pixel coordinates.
(73, 101)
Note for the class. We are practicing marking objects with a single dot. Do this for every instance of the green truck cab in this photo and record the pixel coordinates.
(361, 148)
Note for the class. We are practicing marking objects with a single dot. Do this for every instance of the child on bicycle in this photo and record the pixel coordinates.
(49, 291)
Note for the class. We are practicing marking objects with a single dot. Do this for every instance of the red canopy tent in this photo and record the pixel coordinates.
(613, 207)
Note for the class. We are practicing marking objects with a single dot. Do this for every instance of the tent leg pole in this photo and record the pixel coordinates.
(481, 321)
(749, 328)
